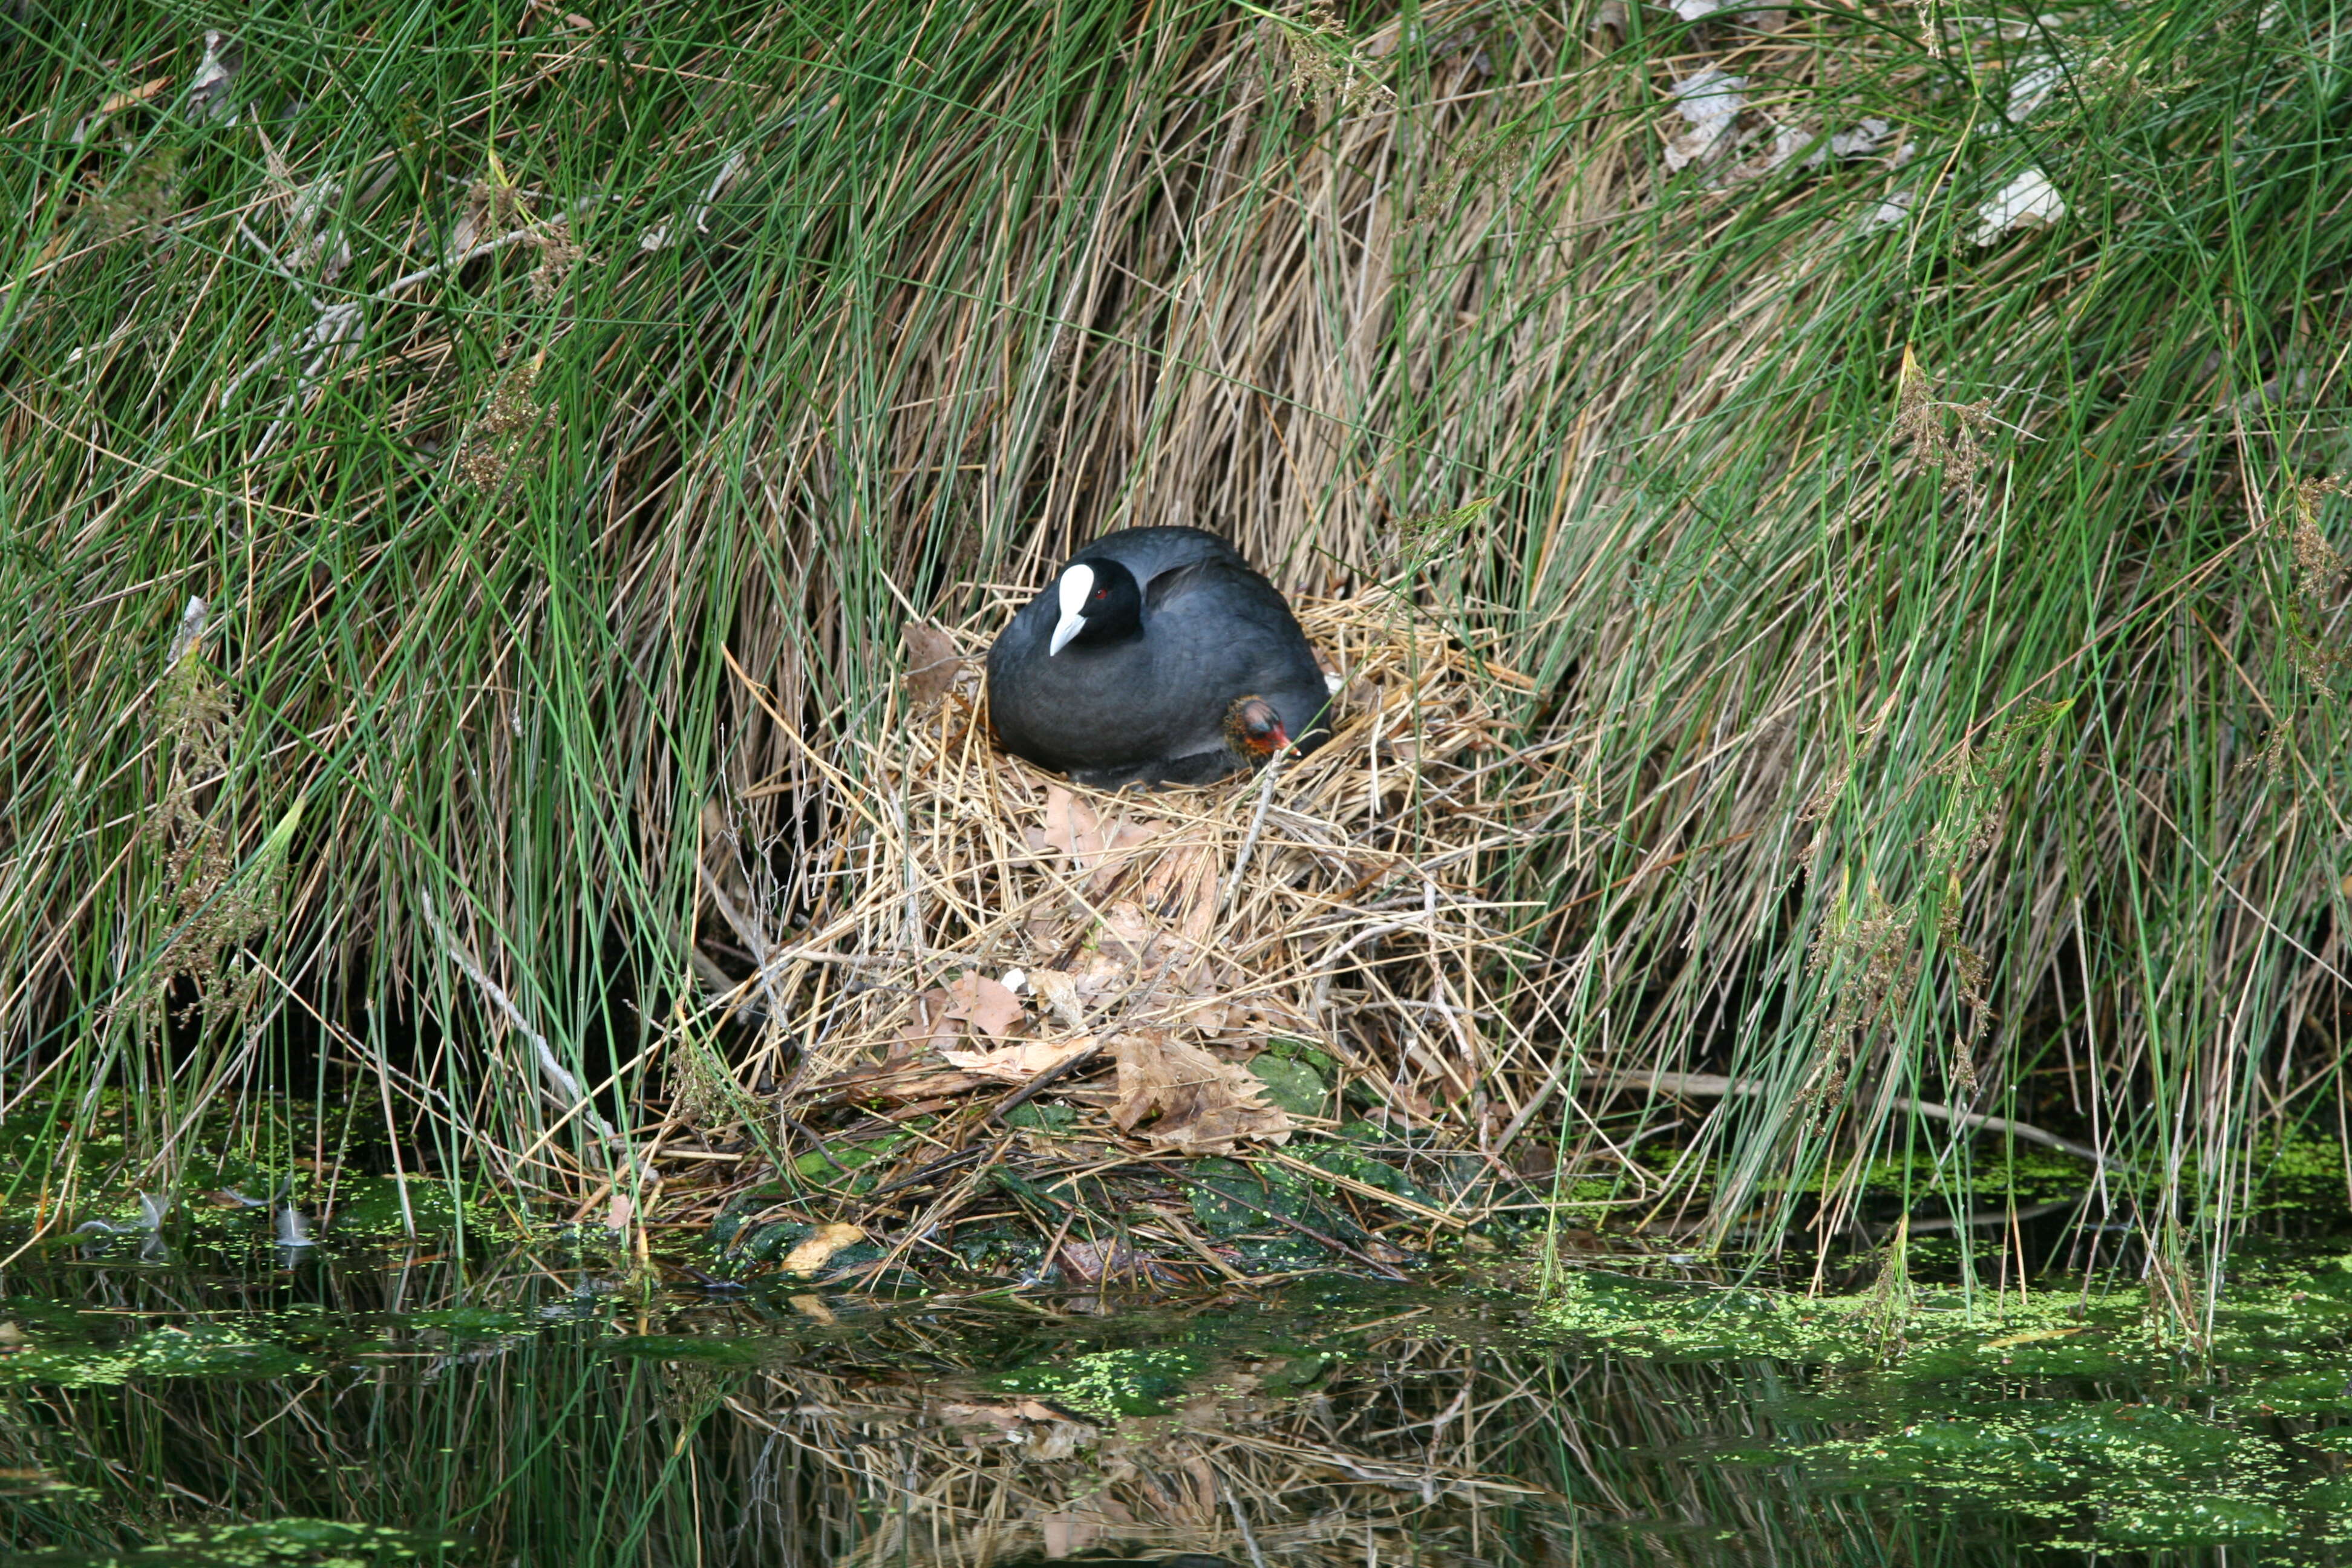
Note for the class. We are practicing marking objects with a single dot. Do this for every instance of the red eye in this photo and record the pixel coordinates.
(1102, 593)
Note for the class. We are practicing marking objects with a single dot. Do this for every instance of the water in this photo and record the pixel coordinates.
(304, 1406)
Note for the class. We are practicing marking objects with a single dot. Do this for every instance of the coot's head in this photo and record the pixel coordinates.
(1254, 731)
(1100, 603)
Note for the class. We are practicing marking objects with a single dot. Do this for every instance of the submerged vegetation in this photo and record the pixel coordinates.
(1865, 484)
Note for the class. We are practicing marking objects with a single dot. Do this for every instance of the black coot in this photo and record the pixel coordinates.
(1157, 657)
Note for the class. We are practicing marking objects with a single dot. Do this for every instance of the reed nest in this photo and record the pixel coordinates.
(1226, 970)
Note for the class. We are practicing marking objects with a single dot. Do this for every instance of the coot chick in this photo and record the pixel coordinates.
(1156, 656)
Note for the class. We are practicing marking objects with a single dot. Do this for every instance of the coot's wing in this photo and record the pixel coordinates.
(1241, 639)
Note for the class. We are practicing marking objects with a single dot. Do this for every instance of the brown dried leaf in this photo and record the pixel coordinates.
(1102, 974)
(818, 1248)
(1060, 992)
(130, 95)
(1121, 841)
(1019, 1063)
(984, 1004)
(932, 662)
(1127, 932)
(1072, 826)
(934, 1023)
(1203, 1105)
(1182, 889)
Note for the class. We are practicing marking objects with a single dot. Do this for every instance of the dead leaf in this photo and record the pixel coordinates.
(1073, 827)
(1120, 839)
(1127, 934)
(932, 662)
(986, 1004)
(130, 95)
(815, 1249)
(935, 1022)
(812, 1306)
(1019, 1063)
(1181, 889)
(1060, 992)
(1203, 1105)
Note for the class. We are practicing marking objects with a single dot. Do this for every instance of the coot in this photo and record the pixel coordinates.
(1156, 656)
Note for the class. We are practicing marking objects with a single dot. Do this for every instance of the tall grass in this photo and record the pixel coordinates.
(1953, 630)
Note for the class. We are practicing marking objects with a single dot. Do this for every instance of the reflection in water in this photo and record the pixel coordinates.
(536, 1414)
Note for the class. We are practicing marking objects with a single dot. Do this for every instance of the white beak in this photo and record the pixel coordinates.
(1077, 584)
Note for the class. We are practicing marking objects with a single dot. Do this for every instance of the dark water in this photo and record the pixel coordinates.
(534, 1408)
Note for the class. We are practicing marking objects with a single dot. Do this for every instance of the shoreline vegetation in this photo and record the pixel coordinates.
(1827, 520)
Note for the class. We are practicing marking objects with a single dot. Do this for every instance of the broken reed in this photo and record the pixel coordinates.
(820, 339)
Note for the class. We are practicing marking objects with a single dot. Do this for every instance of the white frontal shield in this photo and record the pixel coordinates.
(1076, 585)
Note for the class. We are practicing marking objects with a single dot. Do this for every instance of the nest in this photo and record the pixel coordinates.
(1219, 970)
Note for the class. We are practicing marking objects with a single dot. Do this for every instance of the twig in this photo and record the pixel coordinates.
(1706, 1085)
(1249, 840)
(1030, 1091)
(1241, 1522)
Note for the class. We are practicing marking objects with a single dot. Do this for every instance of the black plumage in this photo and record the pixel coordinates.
(1137, 663)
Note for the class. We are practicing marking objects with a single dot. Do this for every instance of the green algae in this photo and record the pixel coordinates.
(2108, 1474)
(2287, 1322)
(2083, 1413)
(1110, 1384)
(200, 1349)
(307, 1542)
